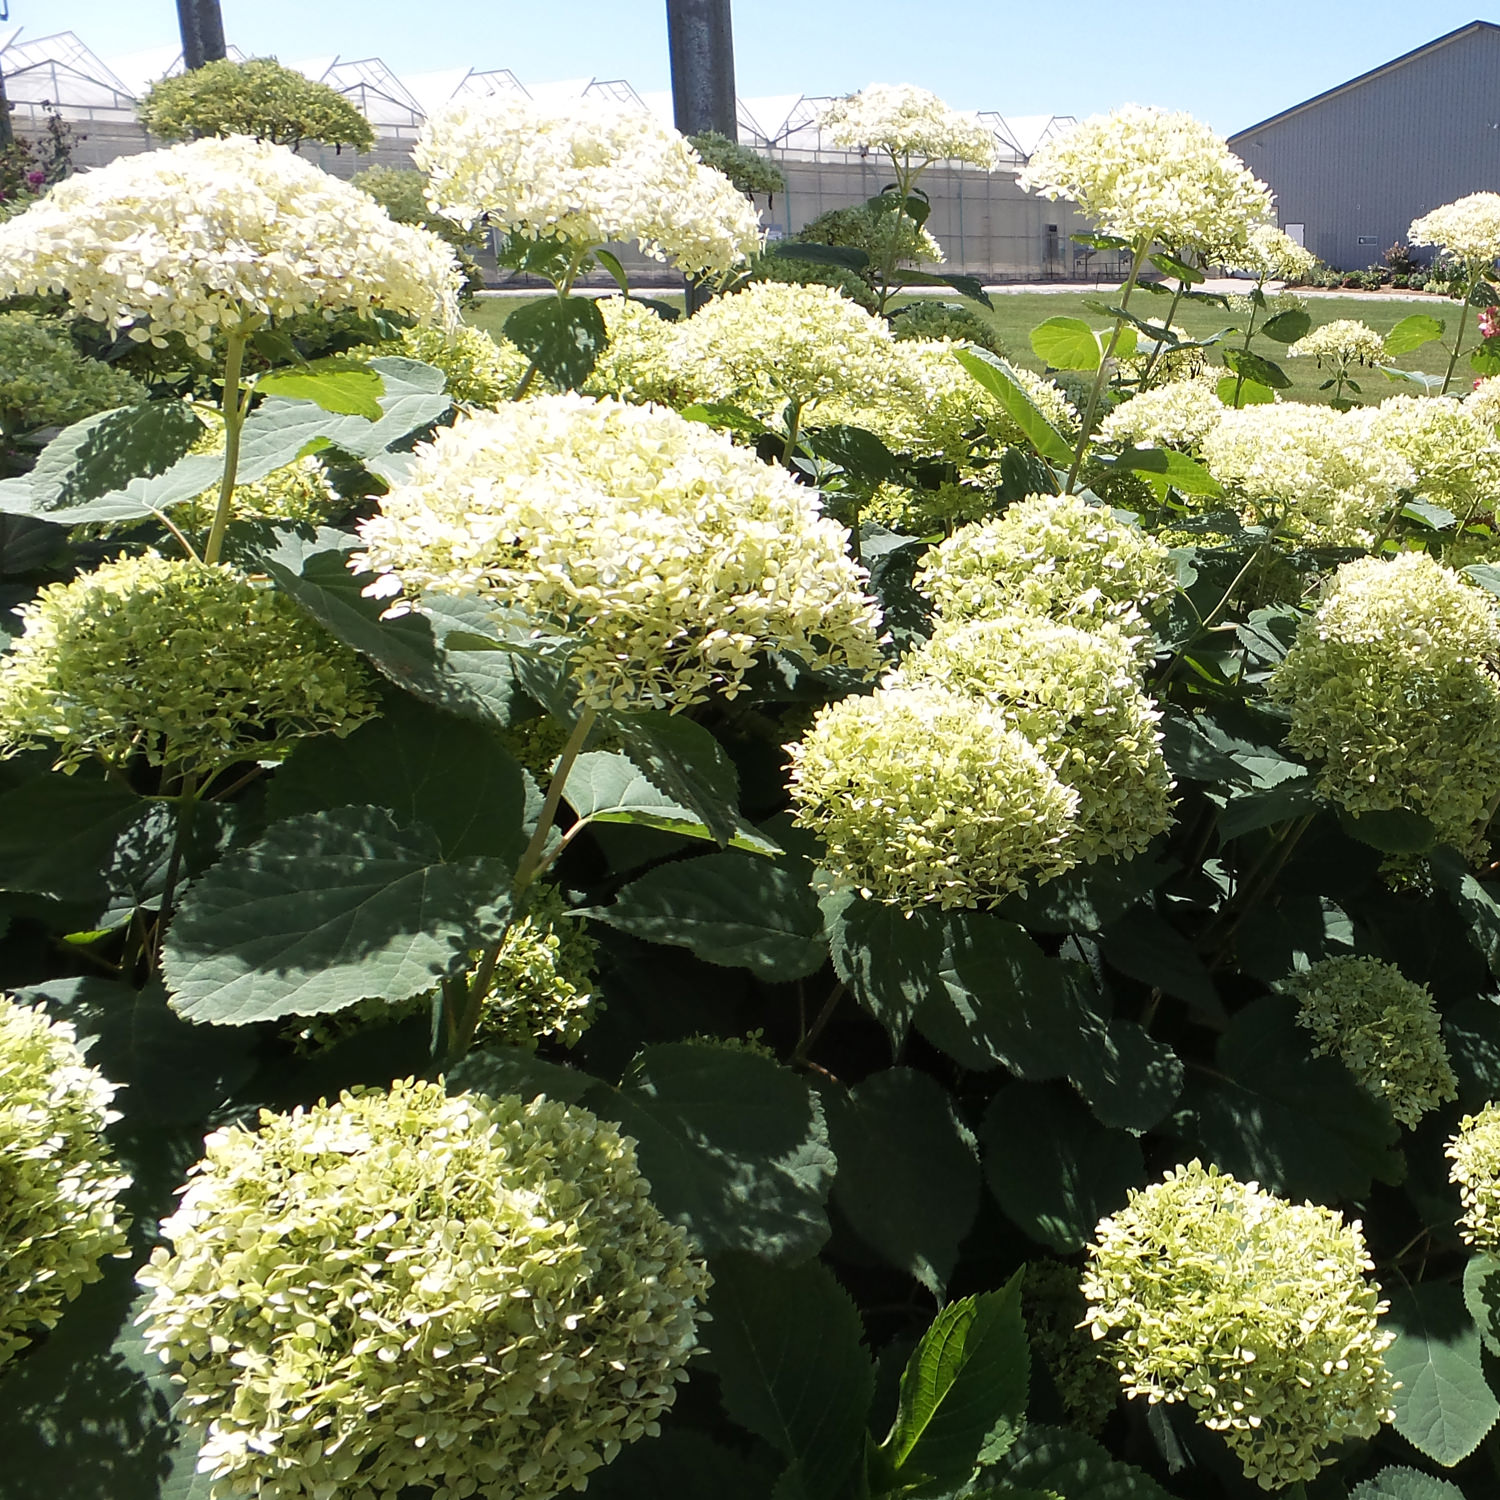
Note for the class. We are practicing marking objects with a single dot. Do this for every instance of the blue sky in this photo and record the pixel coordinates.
(1230, 65)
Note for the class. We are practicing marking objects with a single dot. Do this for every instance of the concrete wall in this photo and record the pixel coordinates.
(1358, 166)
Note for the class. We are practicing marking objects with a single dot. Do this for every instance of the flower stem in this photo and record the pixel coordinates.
(562, 288)
(234, 404)
(526, 870)
(1463, 318)
(187, 802)
(462, 1003)
(1239, 375)
(1161, 344)
(1143, 245)
(793, 426)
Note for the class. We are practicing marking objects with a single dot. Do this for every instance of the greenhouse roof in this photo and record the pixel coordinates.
(62, 71)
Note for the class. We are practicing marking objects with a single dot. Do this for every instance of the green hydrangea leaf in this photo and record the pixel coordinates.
(1444, 1406)
(1482, 1298)
(792, 1369)
(1075, 1467)
(1053, 1170)
(59, 835)
(684, 761)
(730, 908)
(996, 376)
(515, 1070)
(473, 678)
(561, 335)
(342, 386)
(169, 1072)
(607, 787)
(322, 911)
(963, 1393)
(734, 1145)
(105, 452)
(1299, 1125)
(423, 766)
(680, 1462)
(1147, 947)
(1399, 1483)
(885, 956)
(1066, 344)
(908, 1179)
(1409, 334)
(89, 1414)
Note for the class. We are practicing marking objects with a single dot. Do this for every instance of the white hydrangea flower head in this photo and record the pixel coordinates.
(1341, 343)
(1179, 414)
(1468, 228)
(639, 362)
(936, 409)
(779, 343)
(190, 666)
(1255, 1311)
(1394, 686)
(675, 557)
(1320, 473)
(201, 238)
(1454, 454)
(1052, 555)
(1155, 174)
(585, 173)
(1271, 303)
(1271, 252)
(1475, 1154)
(1382, 1027)
(910, 125)
(1076, 696)
(1483, 402)
(929, 797)
(59, 1183)
(473, 1293)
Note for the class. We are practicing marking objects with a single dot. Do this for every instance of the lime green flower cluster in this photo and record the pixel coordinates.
(927, 404)
(542, 988)
(1056, 1315)
(1483, 402)
(1076, 695)
(192, 667)
(1053, 555)
(1393, 685)
(1453, 453)
(404, 1288)
(46, 382)
(638, 363)
(1319, 475)
(479, 371)
(1475, 1154)
(59, 1184)
(1382, 1027)
(938, 511)
(1255, 1311)
(926, 796)
(1179, 414)
(674, 557)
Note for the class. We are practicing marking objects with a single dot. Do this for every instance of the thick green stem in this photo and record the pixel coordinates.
(1458, 341)
(1239, 375)
(1102, 374)
(234, 404)
(187, 803)
(462, 1004)
(906, 180)
(1161, 344)
(793, 427)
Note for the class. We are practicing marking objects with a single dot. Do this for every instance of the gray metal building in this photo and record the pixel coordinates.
(1355, 165)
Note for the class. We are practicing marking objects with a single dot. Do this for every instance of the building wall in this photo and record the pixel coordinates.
(1357, 168)
(987, 226)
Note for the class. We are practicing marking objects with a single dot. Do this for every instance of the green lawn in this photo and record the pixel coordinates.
(1014, 316)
